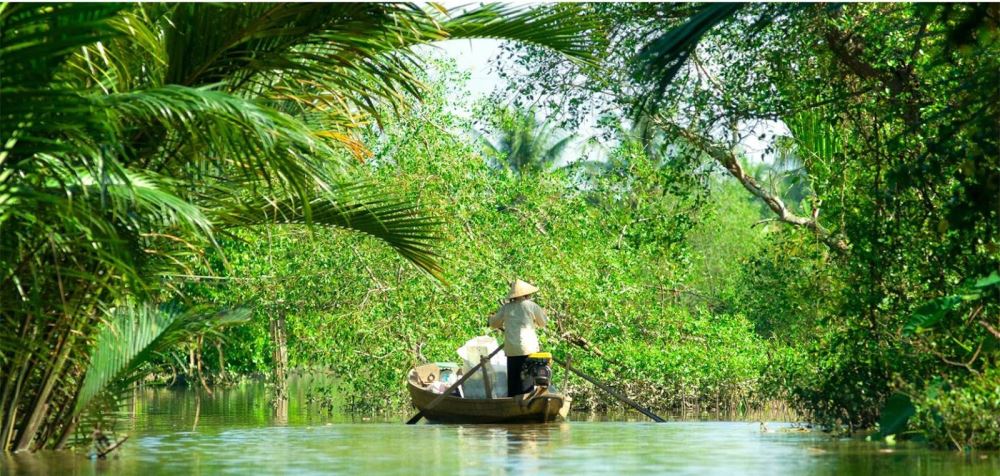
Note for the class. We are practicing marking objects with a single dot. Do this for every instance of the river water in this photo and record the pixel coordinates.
(235, 431)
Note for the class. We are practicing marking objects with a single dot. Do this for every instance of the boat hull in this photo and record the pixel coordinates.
(542, 408)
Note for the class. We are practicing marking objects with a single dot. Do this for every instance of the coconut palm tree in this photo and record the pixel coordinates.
(131, 136)
(524, 144)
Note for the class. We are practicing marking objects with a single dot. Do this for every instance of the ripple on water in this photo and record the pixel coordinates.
(567, 448)
(179, 435)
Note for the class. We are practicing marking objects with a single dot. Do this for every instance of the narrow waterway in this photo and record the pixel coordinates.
(234, 431)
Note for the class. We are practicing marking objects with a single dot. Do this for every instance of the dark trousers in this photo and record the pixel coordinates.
(515, 385)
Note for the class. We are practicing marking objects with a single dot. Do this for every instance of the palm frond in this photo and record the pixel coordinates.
(664, 56)
(261, 143)
(559, 28)
(487, 144)
(362, 207)
(107, 222)
(36, 104)
(134, 334)
(36, 39)
(525, 144)
(556, 151)
(341, 57)
(50, 121)
(814, 136)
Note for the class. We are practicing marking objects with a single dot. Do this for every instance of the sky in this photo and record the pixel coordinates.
(478, 56)
(474, 56)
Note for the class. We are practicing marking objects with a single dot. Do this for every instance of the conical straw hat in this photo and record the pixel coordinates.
(521, 288)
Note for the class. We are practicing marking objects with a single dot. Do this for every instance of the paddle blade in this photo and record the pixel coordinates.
(415, 418)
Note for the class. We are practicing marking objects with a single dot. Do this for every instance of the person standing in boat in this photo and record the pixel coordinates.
(518, 317)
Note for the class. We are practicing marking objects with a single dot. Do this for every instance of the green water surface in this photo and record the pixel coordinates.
(235, 431)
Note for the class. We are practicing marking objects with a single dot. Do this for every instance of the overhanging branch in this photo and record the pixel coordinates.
(729, 160)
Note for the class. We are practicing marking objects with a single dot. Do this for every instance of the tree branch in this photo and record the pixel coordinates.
(849, 52)
(990, 328)
(728, 159)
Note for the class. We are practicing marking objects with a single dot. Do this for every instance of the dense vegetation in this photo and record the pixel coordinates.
(883, 273)
(135, 137)
(611, 252)
(849, 267)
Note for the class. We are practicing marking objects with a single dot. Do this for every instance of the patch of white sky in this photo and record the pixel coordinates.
(478, 58)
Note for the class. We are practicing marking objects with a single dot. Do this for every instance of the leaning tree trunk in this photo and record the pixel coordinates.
(40, 409)
(726, 157)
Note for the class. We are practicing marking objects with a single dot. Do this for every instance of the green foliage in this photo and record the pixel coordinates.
(149, 153)
(963, 414)
(931, 312)
(927, 315)
(133, 335)
(134, 137)
(610, 254)
(892, 150)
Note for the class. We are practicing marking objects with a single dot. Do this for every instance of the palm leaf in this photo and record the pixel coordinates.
(35, 103)
(524, 144)
(559, 28)
(664, 56)
(556, 151)
(254, 140)
(343, 57)
(815, 136)
(134, 334)
(361, 207)
(35, 39)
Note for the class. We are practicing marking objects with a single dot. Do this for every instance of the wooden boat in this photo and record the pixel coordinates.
(540, 406)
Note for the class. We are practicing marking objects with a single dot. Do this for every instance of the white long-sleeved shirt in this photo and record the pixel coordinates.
(519, 320)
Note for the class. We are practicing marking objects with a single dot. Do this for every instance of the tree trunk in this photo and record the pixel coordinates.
(222, 360)
(201, 369)
(40, 408)
(279, 336)
(191, 364)
(11, 393)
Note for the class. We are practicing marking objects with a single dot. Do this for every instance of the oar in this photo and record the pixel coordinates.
(602, 386)
(460, 381)
(598, 384)
(622, 398)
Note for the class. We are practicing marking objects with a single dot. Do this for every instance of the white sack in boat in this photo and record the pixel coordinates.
(439, 386)
(477, 347)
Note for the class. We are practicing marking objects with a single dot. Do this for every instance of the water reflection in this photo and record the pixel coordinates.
(281, 408)
(236, 431)
(508, 449)
(197, 410)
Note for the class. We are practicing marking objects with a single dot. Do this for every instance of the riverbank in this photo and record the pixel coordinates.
(325, 392)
